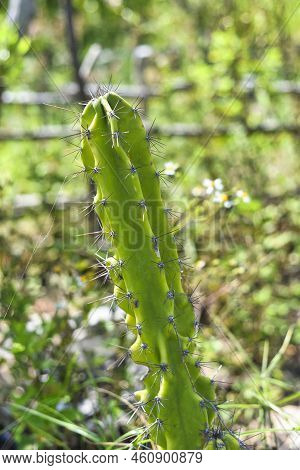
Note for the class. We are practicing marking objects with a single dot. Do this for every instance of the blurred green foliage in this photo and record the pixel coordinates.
(55, 346)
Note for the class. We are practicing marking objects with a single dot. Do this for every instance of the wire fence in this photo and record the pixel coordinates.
(81, 89)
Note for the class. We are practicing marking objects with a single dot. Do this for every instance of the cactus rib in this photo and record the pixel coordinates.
(178, 399)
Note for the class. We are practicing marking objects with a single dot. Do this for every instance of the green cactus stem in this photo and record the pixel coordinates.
(179, 400)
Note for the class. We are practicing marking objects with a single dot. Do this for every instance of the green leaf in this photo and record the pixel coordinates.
(65, 424)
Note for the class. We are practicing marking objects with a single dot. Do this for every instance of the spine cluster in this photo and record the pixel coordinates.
(179, 400)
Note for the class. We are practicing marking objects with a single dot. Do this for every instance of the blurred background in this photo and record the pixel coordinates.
(221, 80)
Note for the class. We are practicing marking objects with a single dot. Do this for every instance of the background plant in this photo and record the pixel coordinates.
(248, 275)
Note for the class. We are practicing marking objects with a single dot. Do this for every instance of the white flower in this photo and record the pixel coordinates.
(228, 204)
(218, 197)
(213, 185)
(222, 198)
(34, 324)
(218, 184)
(243, 195)
(209, 185)
(171, 168)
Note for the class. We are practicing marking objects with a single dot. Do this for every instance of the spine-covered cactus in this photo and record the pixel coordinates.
(145, 267)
